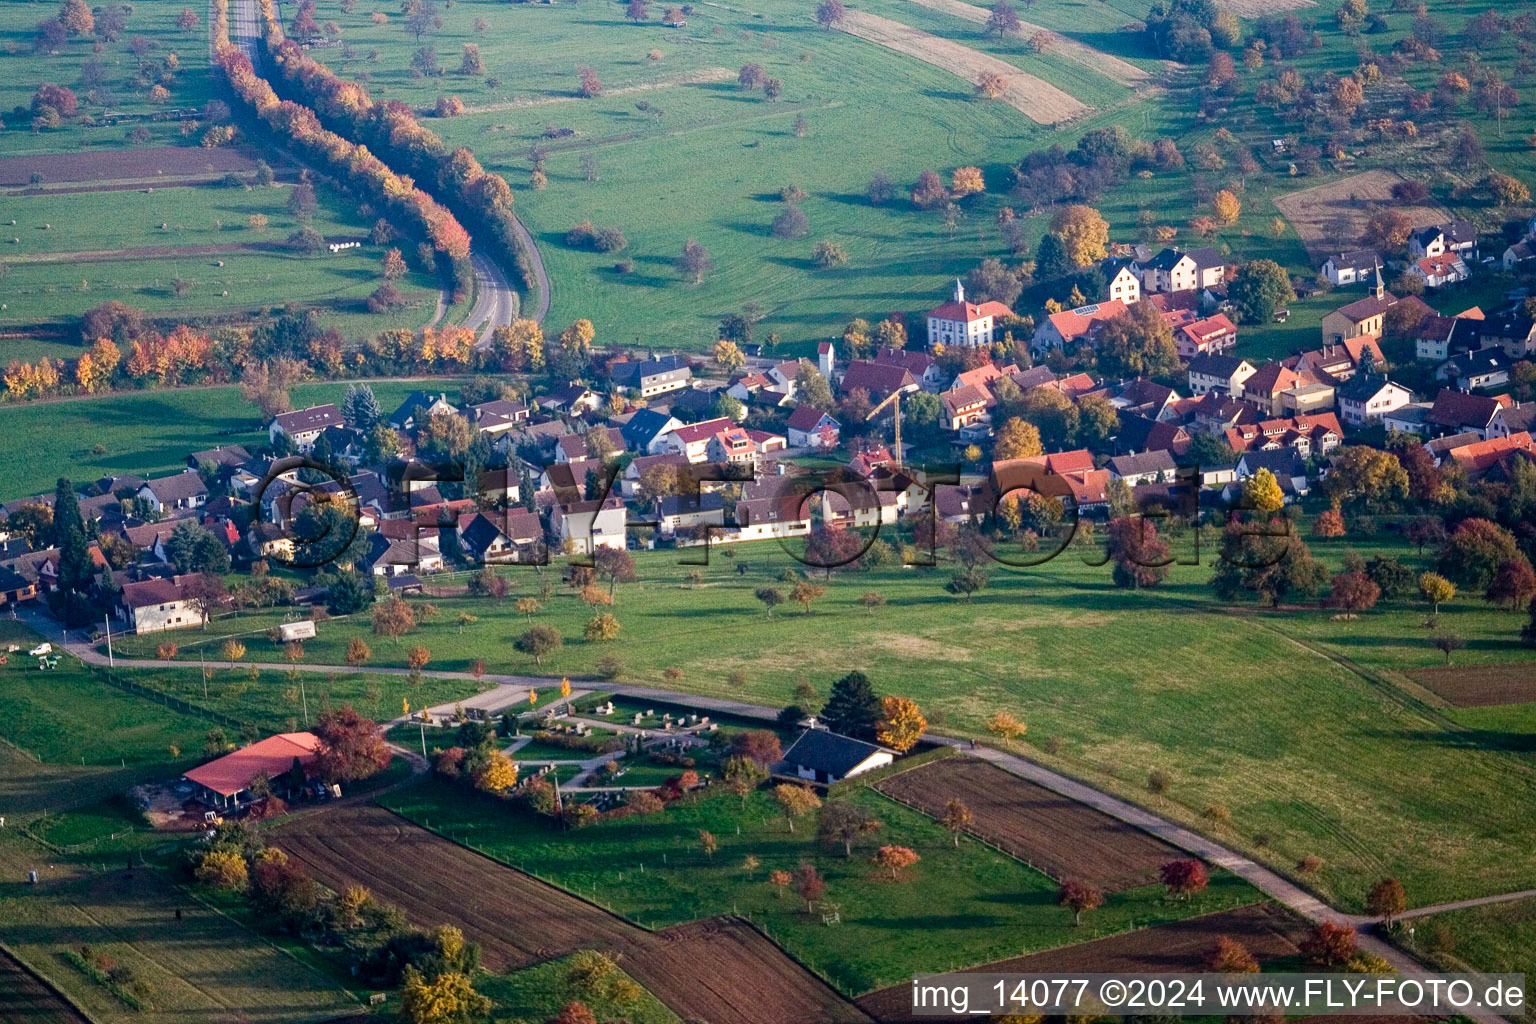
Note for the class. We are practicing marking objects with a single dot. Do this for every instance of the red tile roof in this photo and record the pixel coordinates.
(969, 312)
(274, 755)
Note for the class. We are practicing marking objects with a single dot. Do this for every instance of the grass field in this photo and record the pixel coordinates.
(1497, 938)
(202, 966)
(190, 86)
(61, 264)
(535, 994)
(959, 906)
(148, 433)
(1255, 713)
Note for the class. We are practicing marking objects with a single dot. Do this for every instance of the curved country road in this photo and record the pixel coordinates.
(496, 301)
(1265, 879)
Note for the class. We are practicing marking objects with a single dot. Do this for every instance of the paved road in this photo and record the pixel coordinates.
(496, 301)
(1270, 882)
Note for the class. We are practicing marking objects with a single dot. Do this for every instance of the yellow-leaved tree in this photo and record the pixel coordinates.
(901, 723)
(447, 998)
(1262, 494)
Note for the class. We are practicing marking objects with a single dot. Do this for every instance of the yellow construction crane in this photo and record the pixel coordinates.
(895, 401)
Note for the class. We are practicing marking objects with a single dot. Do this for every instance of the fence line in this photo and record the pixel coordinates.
(174, 703)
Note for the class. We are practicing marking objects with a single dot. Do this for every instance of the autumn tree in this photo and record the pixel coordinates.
(761, 746)
(901, 723)
(694, 263)
(1388, 229)
(1141, 557)
(805, 593)
(1231, 957)
(795, 801)
(1262, 493)
(842, 823)
(393, 618)
(1003, 20)
(1226, 207)
(537, 641)
(1017, 439)
(447, 997)
(1475, 551)
(743, 774)
(351, 747)
(830, 13)
(771, 598)
(1437, 590)
(1329, 944)
(1078, 896)
(991, 85)
(1513, 584)
(895, 858)
(928, 192)
(956, 818)
(1005, 726)
(1353, 592)
(967, 181)
(1083, 232)
(1386, 900)
(1184, 878)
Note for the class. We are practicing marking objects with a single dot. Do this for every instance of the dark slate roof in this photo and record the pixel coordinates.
(413, 405)
(178, 487)
(643, 427)
(632, 374)
(805, 417)
(828, 752)
(688, 504)
(1358, 259)
(230, 456)
(1361, 387)
(1283, 462)
(1213, 365)
(1160, 461)
(480, 534)
(316, 417)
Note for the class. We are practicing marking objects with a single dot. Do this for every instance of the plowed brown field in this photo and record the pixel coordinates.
(1060, 837)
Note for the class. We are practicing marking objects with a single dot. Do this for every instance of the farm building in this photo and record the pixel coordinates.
(826, 757)
(226, 781)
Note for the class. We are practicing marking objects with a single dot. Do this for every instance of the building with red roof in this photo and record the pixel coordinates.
(1071, 328)
(226, 781)
(959, 322)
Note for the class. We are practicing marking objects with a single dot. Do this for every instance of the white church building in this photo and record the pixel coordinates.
(958, 322)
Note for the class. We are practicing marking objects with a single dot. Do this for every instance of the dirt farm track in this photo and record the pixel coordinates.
(721, 970)
(1060, 837)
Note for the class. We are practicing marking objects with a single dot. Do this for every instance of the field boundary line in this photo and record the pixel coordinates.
(23, 752)
(46, 981)
(316, 969)
(482, 852)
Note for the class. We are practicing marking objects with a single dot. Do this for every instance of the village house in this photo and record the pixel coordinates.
(1211, 336)
(1438, 271)
(731, 446)
(827, 757)
(484, 538)
(826, 359)
(1334, 363)
(1286, 464)
(963, 323)
(1457, 237)
(1174, 271)
(304, 426)
(403, 546)
(1456, 412)
(1512, 419)
(15, 588)
(692, 440)
(1354, 267)
(1140, 434)
(178, 492)
(651, 377)
(965, 406)
(1476, 371)
(1223, 374)
(1070, 329)
(582, 527)
(230, 457)
(1143, 468)
(1366, 399)
(1432, 337)
(1518, 255)
(922, 366)
(155, 605)
(1122, 284)
(643, 429)
(1305, 435)
(809, 427)
(497, 417)
(1479, 457)
(226, 781)
(630, 485)
(418, 407)
(573, 400)
(690, 512)
(1265, 386)
(1367, 315)
(878, 380)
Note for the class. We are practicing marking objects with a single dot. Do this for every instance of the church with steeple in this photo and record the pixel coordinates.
(959, 322)
(1366, 317)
